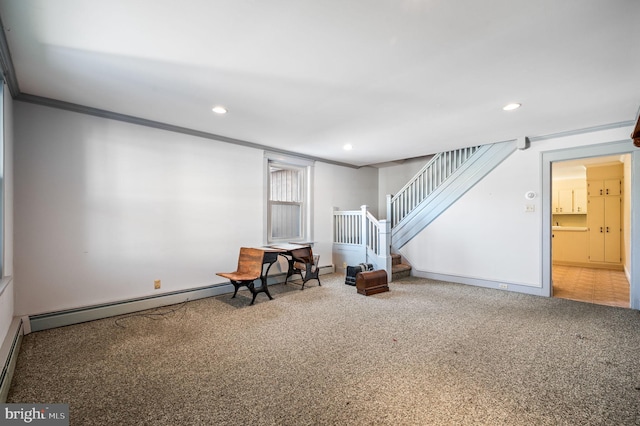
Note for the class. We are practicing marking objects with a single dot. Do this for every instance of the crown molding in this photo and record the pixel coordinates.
(9, 76)
(83, 109)
(592, 129)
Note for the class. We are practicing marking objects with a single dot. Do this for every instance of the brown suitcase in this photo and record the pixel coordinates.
(371, 282)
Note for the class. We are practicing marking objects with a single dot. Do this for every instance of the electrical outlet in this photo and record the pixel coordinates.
(344, 265)
(530, 208)
(156, 284)
(504, 286)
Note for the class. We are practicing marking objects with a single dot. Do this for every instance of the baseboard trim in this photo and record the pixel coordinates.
(478, 282)
(592, 265)
(90, 313)
(9, 356)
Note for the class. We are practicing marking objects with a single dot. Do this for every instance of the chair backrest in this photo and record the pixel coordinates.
(303, 254)
(250, 261)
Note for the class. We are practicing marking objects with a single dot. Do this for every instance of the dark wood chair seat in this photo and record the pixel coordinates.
(250, 261)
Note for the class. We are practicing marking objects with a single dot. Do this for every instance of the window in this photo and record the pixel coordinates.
(288, 199)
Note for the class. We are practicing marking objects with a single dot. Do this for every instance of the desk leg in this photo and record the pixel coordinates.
(290, 270)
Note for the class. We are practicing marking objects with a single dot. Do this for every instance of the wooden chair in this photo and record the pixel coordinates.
(303, 260)
(250, 263)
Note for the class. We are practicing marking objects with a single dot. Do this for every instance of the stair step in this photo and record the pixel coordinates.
(400, 271)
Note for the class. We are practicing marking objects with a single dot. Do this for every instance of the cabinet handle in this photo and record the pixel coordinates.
(601, 192)
(607, 191)
(601, 229)
(607, 229)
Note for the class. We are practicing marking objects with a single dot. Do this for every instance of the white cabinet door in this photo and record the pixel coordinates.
(603, 221)
(565, 200)
(612, 230)
(580, 200)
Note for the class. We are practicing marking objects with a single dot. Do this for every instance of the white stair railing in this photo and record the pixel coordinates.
(347, 227)
(377, 234)
(361, 228)
(358, 231)
(426, 181)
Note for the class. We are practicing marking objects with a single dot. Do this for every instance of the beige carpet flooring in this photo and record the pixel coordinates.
(425, 353)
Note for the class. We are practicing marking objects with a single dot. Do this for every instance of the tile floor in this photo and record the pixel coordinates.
(599, 286)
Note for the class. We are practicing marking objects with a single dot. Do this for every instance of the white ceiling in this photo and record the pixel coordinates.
(394, 78)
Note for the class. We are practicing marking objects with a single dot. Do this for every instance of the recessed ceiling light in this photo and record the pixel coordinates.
(348, 147)
(219, 109)
(511, 107)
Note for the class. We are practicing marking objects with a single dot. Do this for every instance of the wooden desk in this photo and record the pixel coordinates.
(269, 257)
(300, 259)
(251, 266)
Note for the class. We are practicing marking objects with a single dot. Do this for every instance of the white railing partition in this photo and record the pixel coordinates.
(427, 180)
(372, 232)
(347, 227)
(361, 228)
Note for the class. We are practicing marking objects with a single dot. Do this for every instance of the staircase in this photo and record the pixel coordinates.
(399, 270)
(359, 237)
(446, 178)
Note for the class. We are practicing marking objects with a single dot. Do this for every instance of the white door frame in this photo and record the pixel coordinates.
(598, 150)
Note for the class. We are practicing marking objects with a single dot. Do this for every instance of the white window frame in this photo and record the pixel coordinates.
(306, 221)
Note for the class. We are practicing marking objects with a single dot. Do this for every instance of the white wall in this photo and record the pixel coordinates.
(487, 235)
(7, 295)
(346, 189)
(104, 208)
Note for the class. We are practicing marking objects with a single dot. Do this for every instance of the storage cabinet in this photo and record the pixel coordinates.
(580, 200)
(604, 229)
(563, 201)
(604, 187)
(604, 219)
(570, 246)
(569, 201)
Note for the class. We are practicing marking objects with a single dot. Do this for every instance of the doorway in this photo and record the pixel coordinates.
(590, 260)
(623, 146)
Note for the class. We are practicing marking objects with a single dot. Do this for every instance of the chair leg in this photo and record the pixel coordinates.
(236, 286)
(250, 284)
(263, 289)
